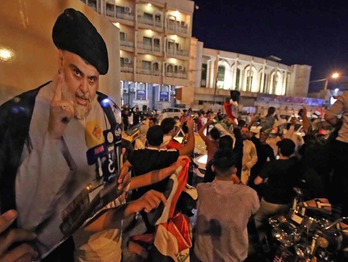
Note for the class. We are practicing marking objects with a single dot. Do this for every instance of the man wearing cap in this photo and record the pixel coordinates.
(46, 133)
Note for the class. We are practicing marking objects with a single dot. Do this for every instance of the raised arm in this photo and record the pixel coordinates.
(155, 176)
(190, 145)
(113, 217)
(201, 130)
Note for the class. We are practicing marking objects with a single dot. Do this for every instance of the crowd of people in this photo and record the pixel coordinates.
(266, 153)
(62, 149)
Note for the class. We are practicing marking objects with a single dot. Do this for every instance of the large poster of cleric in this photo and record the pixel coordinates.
(59, 118)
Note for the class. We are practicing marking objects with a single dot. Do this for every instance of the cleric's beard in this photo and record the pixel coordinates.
(80, 111)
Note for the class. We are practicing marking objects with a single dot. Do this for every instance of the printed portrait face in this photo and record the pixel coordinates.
(81, 81)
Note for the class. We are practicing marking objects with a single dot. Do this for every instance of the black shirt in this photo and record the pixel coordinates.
(264, 151)
(283, 175)
(149, 159)
(136, 118)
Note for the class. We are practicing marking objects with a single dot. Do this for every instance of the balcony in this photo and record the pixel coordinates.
(176, 27)
(177, 75)
(157, 24)
(146, 48)
(146, 21)
(127, 68)
(126, 43)
(125, 16)
(144, 71)
(172, 51)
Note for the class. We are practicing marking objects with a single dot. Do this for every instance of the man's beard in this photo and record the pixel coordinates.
(80, 111)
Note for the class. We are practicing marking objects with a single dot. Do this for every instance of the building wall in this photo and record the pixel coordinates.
(299, 80)
(26, 30)
(216, 72)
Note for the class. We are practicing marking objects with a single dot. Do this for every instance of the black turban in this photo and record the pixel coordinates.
(73, 32)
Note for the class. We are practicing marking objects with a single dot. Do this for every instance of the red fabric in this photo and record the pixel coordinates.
(179, 227)
(182, 177)
(182, 180)
(173, 145)
(228, 109)
(145, 238)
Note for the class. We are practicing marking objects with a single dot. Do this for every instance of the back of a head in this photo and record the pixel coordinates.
(225, 142)
(287, 147)
(215, 133)
(271, 110)
(223, 162)
(154, 120)
(167, 125)
(220, 117)
(154, 136)
(241, 123)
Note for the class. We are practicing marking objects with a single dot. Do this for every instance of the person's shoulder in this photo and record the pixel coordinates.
(204, 186)
(245, 190)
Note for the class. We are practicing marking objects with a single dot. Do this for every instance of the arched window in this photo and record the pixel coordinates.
(276, 83)
(170, 68)
(155, 66)
(237, 79)
(250, 79)
(221, 77)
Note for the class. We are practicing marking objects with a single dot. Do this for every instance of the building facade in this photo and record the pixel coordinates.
(213, 73)
(155, 38)
(163, 65)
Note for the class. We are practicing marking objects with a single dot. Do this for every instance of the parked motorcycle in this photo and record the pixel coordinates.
(310, 232)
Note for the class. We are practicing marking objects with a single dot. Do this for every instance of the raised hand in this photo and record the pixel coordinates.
(61, 111)
(23, 252)
(190, 123)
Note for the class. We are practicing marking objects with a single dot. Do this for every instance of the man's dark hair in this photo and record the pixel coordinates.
(224, 161)
(154, 120)
(167, 125)
(286, 146)
(271, 110)
(241, 123)
(154, 136)
(215, 133)
(225, 142)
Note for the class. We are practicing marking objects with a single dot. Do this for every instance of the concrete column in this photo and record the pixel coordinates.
(284, 82)
(250, 87)
(262, 87)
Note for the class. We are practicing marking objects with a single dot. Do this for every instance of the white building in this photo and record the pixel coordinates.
(213, 73)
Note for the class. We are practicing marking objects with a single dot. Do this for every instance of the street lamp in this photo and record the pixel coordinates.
(334, 75)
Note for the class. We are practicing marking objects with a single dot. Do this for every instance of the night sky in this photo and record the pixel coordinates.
(312, 32)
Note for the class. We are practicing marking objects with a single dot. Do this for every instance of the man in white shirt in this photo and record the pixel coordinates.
(223, 211)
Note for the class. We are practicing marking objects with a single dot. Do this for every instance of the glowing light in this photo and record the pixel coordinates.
(117, 24)
(6, 54)
(105, 102)
(335, 75)
(176, 13)
(149, 4)
(149, 30)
